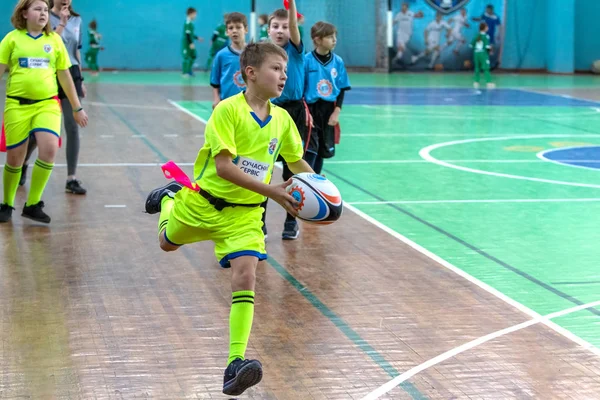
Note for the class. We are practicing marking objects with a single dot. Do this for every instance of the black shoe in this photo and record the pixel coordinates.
(5, 212)
(154, 199)
(74, 186)
(23, 178)
(35, 213)
(290, 230)
(240, 375)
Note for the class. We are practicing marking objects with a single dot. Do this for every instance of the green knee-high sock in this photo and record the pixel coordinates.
(166, 206)
(39, 178)
(240, 323)
(11, 177)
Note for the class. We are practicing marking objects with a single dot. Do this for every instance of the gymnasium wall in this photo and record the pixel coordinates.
(558, 35)
(147, 35)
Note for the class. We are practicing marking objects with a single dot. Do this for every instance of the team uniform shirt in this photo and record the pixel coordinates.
(481, 43)
(221, 39)
(324, 81)
(94, 39)
(294, 86)
(405, 26)
(226, 75)
(492, 21)
(254, 144)
(188, 34)
(32, 63)
(264, 33)
(434, 34)
(458, 22)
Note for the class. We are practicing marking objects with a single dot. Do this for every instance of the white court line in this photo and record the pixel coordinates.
(565, 163)
(188, 112)
(443, 134)
(484, 286)
(526, 310)
(139, 106)
(118, 165)
(171, 136)
(532, 161)
(115, 206)
(475, 201)
(107, 136)
(425, 153)
(470, 345)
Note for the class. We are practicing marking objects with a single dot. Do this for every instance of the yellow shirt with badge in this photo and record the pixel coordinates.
(254, 144)
(32, 63)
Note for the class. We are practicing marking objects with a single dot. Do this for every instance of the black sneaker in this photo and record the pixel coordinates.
(35, 213)
(23, 178)
(154, 199)
(5, 212)
(74, 186)
(240, 375)
(290, 230)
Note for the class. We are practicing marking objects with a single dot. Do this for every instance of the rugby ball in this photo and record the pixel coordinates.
(319, 200)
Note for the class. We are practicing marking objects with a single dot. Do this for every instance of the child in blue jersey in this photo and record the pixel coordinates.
(226, 77)
(326, 81)
(244, 136)
(492, 20)
(284, 32)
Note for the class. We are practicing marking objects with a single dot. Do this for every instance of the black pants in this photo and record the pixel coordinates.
(323, 133)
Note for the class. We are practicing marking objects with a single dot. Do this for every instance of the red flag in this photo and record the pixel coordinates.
(286, 4)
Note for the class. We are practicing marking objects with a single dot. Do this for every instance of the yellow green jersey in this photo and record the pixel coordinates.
(254, 144)
(32, 63)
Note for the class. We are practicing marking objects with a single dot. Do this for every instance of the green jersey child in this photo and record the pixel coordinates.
(218, 42)
(91, 55)
(264, 27)
(187, 45)
(481, 56)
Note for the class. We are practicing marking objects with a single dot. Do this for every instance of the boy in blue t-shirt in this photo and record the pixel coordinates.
(284, 31)
(226, 77)
(326, 81)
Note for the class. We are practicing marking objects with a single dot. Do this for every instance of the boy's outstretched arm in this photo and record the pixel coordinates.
(293, 24)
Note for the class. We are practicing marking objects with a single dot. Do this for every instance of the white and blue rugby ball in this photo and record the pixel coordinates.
(319, 200)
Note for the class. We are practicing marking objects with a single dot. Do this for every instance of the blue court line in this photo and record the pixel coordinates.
(459, 97)
(468, 245)
(314, 300)
(346, 329)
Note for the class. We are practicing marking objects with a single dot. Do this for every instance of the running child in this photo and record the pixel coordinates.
(244, 136)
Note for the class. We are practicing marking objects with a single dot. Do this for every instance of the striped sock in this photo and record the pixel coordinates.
(39, 178)
(11, 177)
(165, 211)
(240, 323)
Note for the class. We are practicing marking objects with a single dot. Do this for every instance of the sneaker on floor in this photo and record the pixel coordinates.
(290, 230)
(23, 178)
(240, 375)
(5, 212)
(491, 85)
(36, 213)
(74, 186)
(476, 85)
(154, 199)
